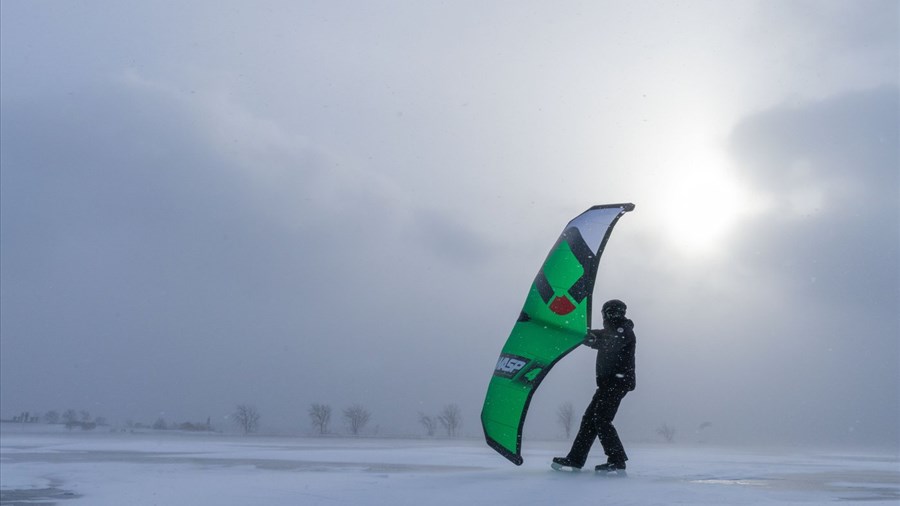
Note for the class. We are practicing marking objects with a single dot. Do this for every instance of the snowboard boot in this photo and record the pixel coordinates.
(565, 464)
(612, 469)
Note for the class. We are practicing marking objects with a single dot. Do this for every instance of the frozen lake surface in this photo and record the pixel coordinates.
(70, 469)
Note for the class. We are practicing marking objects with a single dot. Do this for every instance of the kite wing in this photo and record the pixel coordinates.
(553, 322)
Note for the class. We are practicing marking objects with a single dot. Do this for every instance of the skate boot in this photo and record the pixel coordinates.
(565, 464)
(611, 469)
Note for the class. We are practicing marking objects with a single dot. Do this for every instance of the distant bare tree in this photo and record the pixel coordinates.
(85, 416)
(160, 424)
(70, 418)
(565, 415)
(702, 433)
(429, 423)
(320, 414)
(667, 432)
(451, 419)
(246, 417)
(357, 417)
(51, 417)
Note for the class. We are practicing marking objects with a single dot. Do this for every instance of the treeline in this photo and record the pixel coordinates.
(354, 418)
(82, 419)
(71, 418)
(161, 424)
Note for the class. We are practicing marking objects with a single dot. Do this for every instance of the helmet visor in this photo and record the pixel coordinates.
(614, 312)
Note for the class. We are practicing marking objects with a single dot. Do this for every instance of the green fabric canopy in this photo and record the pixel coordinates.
(553, 322)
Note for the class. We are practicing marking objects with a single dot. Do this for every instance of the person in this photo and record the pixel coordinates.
(615, 344)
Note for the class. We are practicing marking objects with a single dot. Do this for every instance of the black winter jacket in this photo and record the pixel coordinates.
(615, 344)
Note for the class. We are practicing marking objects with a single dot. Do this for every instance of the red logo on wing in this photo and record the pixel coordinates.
(562, 305)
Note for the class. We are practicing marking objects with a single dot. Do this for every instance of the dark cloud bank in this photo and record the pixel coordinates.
(832, 240)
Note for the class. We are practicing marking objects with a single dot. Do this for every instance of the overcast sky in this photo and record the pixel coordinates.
(281, 203)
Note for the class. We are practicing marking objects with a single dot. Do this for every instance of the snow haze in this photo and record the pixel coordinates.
(205, 204)
(135, 469)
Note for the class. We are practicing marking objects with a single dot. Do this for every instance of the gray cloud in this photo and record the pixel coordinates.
(830, 170)
(831, 239)
(204, 266)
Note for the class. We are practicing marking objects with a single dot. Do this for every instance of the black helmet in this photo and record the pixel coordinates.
(613, 309)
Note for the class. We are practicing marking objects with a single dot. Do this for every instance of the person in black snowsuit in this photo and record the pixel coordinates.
(615, 344)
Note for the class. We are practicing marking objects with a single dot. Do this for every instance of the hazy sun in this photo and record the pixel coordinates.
(700, 203)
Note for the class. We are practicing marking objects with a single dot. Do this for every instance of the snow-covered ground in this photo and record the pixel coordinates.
(71, 469)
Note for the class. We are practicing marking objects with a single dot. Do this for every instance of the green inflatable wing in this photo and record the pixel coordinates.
(553, 322)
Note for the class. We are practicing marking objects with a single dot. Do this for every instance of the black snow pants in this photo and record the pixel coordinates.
(597, 423)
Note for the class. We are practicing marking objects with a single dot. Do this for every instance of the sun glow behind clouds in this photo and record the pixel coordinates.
(701, 203)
